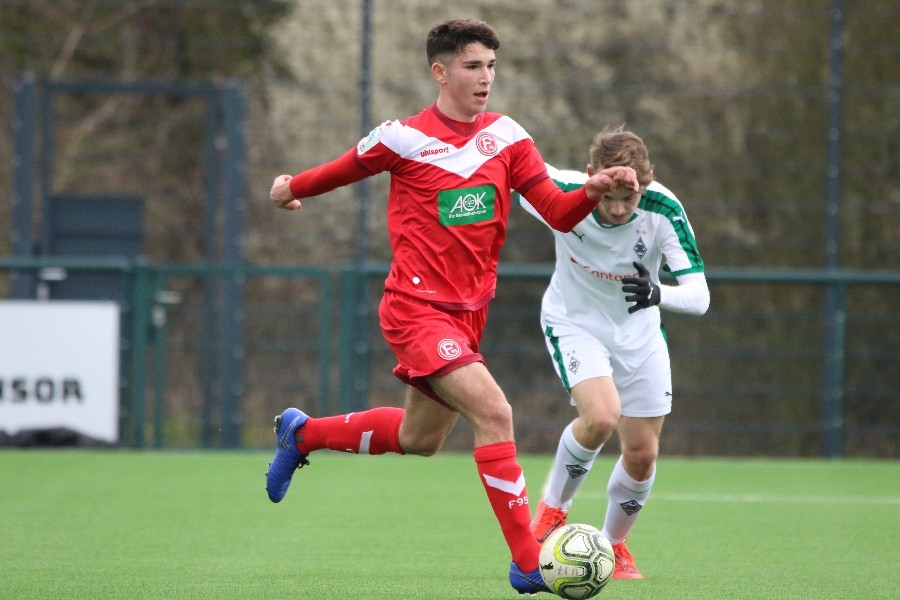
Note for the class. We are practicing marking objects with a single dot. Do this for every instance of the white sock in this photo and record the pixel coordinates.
(573, 461)
(626, 498)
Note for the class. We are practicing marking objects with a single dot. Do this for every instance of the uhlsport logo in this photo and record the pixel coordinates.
(466, 205)
(434, 151)
(448, 349)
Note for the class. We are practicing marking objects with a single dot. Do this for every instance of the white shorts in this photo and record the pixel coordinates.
(643, 375)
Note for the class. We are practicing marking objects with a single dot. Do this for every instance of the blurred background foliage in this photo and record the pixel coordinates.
(731, 96)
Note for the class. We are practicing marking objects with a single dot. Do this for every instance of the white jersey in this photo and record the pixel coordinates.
(591, 261)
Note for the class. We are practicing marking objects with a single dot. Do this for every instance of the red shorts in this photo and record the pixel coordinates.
(428, 340)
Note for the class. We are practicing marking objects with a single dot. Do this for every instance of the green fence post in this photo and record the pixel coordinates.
(354, 372)
(325, 327)
(346, 394)
(139, 311)
(232, 325)
(158, 319)
(24, 136)
(836, 292)
(834, 360)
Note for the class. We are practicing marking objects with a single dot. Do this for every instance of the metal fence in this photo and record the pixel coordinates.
(785, 391)
(197, 370)
(791, 387)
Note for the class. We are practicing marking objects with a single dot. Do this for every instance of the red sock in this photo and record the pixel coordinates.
(374, 431)
(504, 483)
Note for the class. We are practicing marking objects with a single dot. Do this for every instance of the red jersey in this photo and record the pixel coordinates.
(449, 199)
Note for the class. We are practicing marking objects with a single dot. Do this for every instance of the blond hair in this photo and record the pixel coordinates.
(618, 147)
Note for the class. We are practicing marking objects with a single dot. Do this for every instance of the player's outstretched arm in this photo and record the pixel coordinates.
(609, 179)
(287, 191)
(564, 210)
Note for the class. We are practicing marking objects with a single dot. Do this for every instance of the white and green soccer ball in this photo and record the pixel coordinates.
(577, 561)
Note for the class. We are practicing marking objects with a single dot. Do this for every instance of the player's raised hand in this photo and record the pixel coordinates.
(281, 193)
(644, 293)
(609, 179)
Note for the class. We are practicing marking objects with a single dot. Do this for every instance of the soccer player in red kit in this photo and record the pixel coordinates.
(452, 168)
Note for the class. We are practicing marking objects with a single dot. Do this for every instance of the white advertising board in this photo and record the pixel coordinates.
(59, 367)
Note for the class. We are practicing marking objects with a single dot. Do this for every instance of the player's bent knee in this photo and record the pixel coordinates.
(600, 425)
(640, 460)
(496, 417)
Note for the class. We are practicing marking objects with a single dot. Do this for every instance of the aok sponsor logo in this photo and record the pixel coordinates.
(466, 205)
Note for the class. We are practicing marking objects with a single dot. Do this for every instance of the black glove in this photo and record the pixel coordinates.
(644, 293)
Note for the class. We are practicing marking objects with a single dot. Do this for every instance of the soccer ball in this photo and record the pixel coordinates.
(577, 561)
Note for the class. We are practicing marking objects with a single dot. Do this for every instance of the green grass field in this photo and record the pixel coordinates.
(119, 524)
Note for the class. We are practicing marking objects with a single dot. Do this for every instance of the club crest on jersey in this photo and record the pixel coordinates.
(466, 205)
(486, 143)
(370, 140)
(448, 349)
(640, 248)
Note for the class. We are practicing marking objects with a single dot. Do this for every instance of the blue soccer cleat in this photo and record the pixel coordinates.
(526, 583)
(287, 458)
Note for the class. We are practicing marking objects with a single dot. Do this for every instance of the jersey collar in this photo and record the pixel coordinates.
(596, 216)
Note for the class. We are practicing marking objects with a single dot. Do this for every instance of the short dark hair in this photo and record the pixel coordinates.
(450, 37)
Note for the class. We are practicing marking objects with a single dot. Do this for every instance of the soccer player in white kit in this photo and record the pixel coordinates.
(601, 321)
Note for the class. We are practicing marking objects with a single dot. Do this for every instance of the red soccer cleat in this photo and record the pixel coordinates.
(625, 567)
(546, 521)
